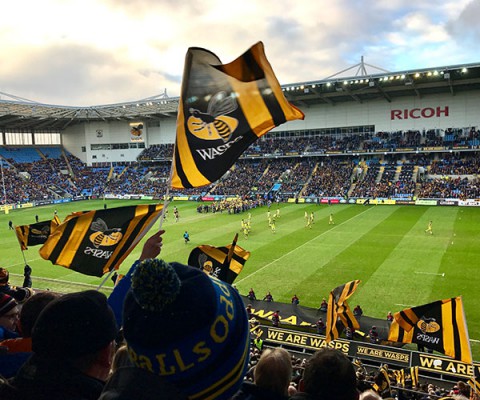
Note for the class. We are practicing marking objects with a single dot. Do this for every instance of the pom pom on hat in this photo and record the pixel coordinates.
(155, 284)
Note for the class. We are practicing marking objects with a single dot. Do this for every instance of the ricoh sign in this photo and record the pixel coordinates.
(419, 113)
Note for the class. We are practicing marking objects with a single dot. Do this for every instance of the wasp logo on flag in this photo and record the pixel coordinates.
(214, 124)
(206, 265)
(104, 236)
(428, 325)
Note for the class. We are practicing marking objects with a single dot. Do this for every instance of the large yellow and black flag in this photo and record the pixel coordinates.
(35, 234)
(338, 308)
(95, 242)
(224, 263)
(223, 109)
(440, 326)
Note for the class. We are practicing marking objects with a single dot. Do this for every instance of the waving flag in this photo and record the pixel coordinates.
(35, 234)
(440, 326)
(225, 263)
(95, 242)
(339, 308)
(223, 109)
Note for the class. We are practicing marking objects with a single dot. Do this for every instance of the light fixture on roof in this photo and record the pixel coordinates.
(464, 70)
(417, 75)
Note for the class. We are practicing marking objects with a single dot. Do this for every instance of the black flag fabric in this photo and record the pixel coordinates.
(338, 308)
(214, 261)
(440, 326)
(223, 109)
(35, 234)
(95, 242)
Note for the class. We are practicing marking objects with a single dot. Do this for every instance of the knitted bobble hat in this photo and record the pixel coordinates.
(187, 327)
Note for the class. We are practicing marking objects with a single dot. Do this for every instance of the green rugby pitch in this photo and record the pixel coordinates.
(386, 247)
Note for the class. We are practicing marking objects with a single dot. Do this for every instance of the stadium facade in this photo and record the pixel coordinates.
(425, 99)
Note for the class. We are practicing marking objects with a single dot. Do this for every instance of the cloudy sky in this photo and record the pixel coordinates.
(91, 52)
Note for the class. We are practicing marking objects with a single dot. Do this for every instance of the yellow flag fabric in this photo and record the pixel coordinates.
(213, 260)
(35, 234)
(339, 309)
(223, 109)
(95, 242)
(440, 326)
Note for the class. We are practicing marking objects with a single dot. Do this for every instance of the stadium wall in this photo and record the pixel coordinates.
(409, 113)
(79, 139)
(434, 112)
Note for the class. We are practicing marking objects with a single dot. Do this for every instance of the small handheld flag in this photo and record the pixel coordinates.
(225, 263)
(35, 234)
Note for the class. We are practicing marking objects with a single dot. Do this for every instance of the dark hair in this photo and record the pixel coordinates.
(31, 310)
(329, 374)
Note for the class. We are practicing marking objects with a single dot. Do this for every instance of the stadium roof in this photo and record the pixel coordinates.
(18, 114)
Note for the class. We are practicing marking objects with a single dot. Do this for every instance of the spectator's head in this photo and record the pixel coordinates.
(329, 374)
(31, 310)
(188, 328)
(78, 329)
(9, 312)
(274, 371)
(4, 276)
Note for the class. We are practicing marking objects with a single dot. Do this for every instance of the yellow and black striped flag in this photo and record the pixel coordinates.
(223, 109)
(474, 388)
(440, 326)
(95, 242)
(407, 374)
(215, 260)
(382, 382)
(338, 308)
(35, 234)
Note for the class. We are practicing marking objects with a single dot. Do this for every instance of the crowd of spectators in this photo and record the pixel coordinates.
(275, 176)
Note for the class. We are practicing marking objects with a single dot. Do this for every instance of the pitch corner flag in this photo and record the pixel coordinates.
(223, 109)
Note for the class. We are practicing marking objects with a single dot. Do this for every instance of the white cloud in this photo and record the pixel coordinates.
(84, 52)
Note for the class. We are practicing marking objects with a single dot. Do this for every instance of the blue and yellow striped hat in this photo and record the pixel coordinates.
(187, 327)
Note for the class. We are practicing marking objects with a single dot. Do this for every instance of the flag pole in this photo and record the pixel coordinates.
(232, 249)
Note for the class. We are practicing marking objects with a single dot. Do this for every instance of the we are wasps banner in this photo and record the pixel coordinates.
(338, 308)
(440, 326)
(95, 242)
(35, 234)
(213, 260)
(223, 109)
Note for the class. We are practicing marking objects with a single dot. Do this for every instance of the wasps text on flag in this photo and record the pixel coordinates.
(35, 234)
(338, 308)
(440, 326)
(223, 109)
(213, 260)
(95, 242)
